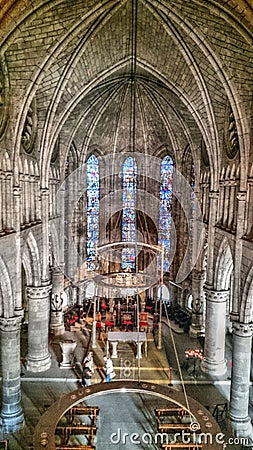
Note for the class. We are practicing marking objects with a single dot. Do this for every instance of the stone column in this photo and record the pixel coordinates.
(16, 224)
(45, 234)
(239, 391)
(213, 208)
(11, 413)
(197, 327)
(56, 316)
(214, 361)
(38, 358)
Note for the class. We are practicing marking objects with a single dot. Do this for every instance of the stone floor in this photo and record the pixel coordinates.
(166, 366)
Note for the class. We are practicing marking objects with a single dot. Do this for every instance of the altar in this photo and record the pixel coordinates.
(130, 336)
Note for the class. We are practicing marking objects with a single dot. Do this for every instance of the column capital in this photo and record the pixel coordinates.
(241, 196)
(216, 296)
(242, 329)
(198, 274)
(214, 195)
(58, 269)
(44, 192)
(10, 323)
(16, 191)
(38, 291)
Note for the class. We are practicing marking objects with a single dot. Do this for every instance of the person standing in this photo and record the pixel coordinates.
(109, 370)
(87, 374)
(89, 359)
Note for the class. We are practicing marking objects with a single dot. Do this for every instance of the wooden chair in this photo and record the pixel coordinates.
(127, 320)
(143, 321)
(109, 321)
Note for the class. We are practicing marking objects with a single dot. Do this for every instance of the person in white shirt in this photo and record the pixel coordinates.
(108, 368)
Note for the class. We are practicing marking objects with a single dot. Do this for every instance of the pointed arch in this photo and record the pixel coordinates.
(55, 243)
(6, 292)
(246, 310)
(224, 266)
(31, 260)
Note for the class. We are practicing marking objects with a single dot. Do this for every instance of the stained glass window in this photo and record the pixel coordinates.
(166, 172)
(92, 210)
(129, 184)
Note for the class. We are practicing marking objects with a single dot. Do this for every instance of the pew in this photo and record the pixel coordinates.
(179, 412)
(69, 430)
(91, 411)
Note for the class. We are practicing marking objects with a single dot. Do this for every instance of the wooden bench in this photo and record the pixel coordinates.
(182, 445)
(170, 412)
(92, 411)
(179, 413)
(66, 431)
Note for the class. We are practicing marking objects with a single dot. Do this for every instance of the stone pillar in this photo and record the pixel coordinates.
(213, 208)
(214, 361)
(56, 316)
(11, 413)
(38, 358)
(16, 219)
(239, 391)
(45, 234)
(197, 327)
(240, 231)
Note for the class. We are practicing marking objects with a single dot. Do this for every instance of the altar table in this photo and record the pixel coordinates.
(130, 336)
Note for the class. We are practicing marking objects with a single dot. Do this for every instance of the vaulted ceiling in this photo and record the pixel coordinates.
(185, 62)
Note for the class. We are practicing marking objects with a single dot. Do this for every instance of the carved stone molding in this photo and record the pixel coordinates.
(11, 323)
(30, 128)
(232, 140)
(198, 275)
(16, 191)
(215, 296)
(38, 292)
(44, 192)
(214, 195)
(243, 329)
(241, 196)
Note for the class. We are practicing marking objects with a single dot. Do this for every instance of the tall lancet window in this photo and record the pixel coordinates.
(92, 210)
(129, 186)
(166, 172)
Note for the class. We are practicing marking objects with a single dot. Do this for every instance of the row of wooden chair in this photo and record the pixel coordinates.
(126, 320)
(169, 427)
(68, 429)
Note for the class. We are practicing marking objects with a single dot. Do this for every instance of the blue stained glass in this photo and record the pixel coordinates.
(166, 191)
(92, 210)
(129, 183)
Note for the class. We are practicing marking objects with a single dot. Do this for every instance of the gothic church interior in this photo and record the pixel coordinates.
(126, 178)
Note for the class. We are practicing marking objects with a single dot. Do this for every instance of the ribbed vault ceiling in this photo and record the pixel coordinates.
(193, 58)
